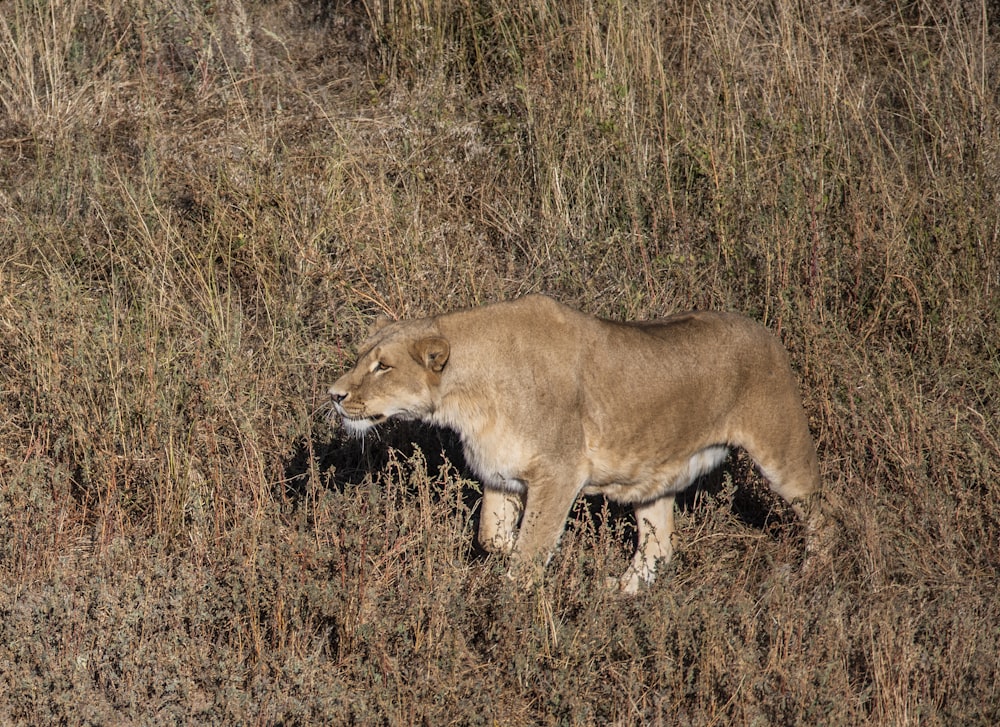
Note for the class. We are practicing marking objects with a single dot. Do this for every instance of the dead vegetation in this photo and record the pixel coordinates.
(203, 204)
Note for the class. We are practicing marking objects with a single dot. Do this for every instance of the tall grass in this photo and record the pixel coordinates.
(203, 205)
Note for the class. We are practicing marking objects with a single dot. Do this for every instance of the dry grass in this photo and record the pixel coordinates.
(203, 204)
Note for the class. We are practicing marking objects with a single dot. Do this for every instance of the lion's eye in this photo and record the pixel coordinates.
(379, 367)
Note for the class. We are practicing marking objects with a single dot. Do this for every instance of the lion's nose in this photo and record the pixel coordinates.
(338, 396)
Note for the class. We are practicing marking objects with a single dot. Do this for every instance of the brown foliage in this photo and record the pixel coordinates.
(203, 204)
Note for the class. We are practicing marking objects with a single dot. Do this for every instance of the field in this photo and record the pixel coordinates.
(204, 205)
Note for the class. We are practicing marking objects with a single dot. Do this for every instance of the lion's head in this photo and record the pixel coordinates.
(398, 368)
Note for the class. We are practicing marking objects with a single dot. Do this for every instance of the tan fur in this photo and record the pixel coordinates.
(550, 402)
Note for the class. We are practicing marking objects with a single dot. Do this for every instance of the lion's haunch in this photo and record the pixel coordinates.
(550, 402)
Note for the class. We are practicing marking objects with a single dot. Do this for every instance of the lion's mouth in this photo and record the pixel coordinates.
(371, 419)
(358, 425)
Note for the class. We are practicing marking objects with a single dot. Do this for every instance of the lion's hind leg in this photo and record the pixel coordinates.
(778, 440)
(788, 461)
(655, 524)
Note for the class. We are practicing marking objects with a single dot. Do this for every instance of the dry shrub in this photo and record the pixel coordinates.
(203, 205)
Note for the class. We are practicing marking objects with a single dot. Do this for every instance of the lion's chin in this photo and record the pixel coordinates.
(360, 426)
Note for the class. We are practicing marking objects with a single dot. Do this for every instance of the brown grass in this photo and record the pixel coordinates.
(203, 204)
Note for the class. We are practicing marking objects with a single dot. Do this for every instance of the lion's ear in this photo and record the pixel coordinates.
(431, 352)
(380, 323)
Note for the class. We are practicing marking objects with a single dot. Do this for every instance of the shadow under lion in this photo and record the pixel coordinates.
(342, 462)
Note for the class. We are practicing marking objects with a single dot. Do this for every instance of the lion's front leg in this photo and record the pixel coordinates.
(547, 504)
(498, 515)
(655, 523)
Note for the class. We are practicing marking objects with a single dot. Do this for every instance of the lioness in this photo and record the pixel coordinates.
(550, 402)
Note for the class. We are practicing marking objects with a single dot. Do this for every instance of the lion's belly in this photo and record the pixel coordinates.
(634, 479)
